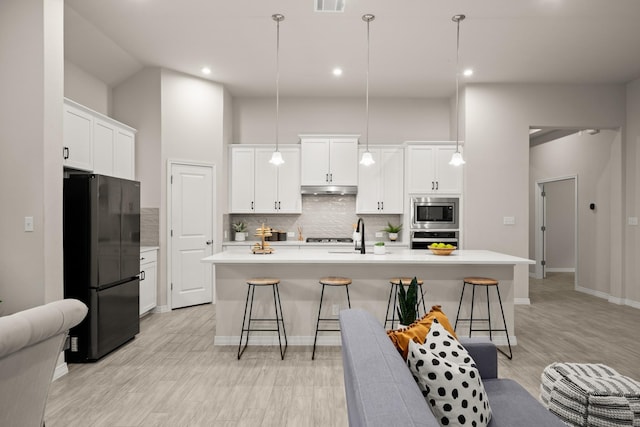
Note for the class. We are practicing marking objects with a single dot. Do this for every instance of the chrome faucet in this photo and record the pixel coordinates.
(358, 230)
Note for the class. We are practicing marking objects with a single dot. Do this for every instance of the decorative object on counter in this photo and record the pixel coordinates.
(378, 248)
(442, 248)
(276, 157)
(367, 158)
(300, 236)
(456, 158)
(262, 247)
(240, 229)
(408, 303)
(392, 231)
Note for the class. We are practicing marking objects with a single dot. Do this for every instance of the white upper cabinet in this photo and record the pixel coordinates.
(96, 143)
(329, 160)
(429, 172)
(381, 185)
(77, 150)
(241, 190)
(257, 186)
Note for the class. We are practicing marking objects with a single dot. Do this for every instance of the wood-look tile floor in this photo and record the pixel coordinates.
(172, 375)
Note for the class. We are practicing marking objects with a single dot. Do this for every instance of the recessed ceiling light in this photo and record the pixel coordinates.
(337, 71)
(468, 72)
(206, 71)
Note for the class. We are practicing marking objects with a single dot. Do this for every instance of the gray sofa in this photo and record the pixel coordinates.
(381, 391)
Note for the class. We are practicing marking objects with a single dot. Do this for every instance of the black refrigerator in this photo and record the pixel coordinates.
(102, 262)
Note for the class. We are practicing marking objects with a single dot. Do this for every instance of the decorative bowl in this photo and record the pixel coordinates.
(442, 251)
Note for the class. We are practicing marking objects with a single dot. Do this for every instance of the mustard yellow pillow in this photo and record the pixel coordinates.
(418, 330)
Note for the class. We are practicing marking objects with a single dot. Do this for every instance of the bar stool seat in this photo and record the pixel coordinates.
(278, 319)
(487, 282)
(393, 293)
(329, 281)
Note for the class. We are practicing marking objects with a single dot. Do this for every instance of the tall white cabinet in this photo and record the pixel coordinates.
(329, 159)
(381, 185)
(428, 170)
(257, 186)
(96, 143)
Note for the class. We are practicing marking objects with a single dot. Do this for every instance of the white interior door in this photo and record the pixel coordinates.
(191, 220)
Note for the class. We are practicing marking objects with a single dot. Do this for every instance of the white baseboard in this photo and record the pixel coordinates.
(61, 370)
(560, 269)
(161, 309)
(611, 299)
(522, 301)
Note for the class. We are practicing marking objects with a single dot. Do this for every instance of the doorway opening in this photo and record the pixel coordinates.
(556, 225)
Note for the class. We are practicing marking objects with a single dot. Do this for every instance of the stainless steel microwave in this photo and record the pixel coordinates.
(434, 213)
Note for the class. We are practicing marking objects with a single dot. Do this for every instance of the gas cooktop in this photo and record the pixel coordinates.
(329, 240)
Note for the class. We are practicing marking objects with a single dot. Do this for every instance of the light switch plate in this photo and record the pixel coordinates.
(633, 220)
(291, 234)
(28, 223)
(378, 233)
(509, 220)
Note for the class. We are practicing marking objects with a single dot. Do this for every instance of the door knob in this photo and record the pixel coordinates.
(209, 242)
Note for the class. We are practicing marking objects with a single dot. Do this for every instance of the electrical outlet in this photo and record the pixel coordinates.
(378, 233)
(226, 234)
(335, 309)
(509, 220)
(291, 234)
(633, 220)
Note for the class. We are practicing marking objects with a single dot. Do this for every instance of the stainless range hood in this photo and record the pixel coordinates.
(329, 189)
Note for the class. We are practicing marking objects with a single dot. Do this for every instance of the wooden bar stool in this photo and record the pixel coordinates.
(263, 281)
(487, 283)
(393, 293)
(329, 281)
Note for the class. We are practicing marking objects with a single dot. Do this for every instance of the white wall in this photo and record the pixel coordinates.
(632, 195)
(391, 120)
(136, 102)
(496, 181)
(31, 83)
(86, 89)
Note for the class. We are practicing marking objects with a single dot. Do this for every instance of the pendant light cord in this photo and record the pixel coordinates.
(367, 18)
(457, 86)
(277, 17)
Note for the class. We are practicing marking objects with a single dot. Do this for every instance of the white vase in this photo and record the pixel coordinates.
(240, 236)
(393, 236)
(379, 250)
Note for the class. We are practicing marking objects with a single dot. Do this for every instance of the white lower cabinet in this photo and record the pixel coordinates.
(148, 280)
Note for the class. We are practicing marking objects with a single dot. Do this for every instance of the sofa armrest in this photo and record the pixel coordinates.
(485, 354)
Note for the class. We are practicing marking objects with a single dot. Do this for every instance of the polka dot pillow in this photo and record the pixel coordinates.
(453, 390)
(441, 342)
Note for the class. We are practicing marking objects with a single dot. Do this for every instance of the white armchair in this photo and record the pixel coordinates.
(30, 343)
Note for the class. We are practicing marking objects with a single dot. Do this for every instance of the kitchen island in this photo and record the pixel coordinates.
(300, 269)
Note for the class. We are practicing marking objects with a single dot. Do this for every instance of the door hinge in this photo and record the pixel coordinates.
(543, 194)
(171, 233)
(171, 285)
(543, 262)
(172, 179)
(543, 228)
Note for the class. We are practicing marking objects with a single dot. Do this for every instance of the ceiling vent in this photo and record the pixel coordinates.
(329, 5)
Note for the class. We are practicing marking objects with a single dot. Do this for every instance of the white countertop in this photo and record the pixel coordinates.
(305, 244)
(346, 256)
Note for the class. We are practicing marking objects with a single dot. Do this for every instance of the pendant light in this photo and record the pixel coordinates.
(276, 157)
(367, 158)
(456, 159)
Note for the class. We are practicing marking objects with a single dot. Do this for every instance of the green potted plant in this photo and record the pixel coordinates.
(408, 303)
(392, 231)
(240, 228)
(378, 248)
